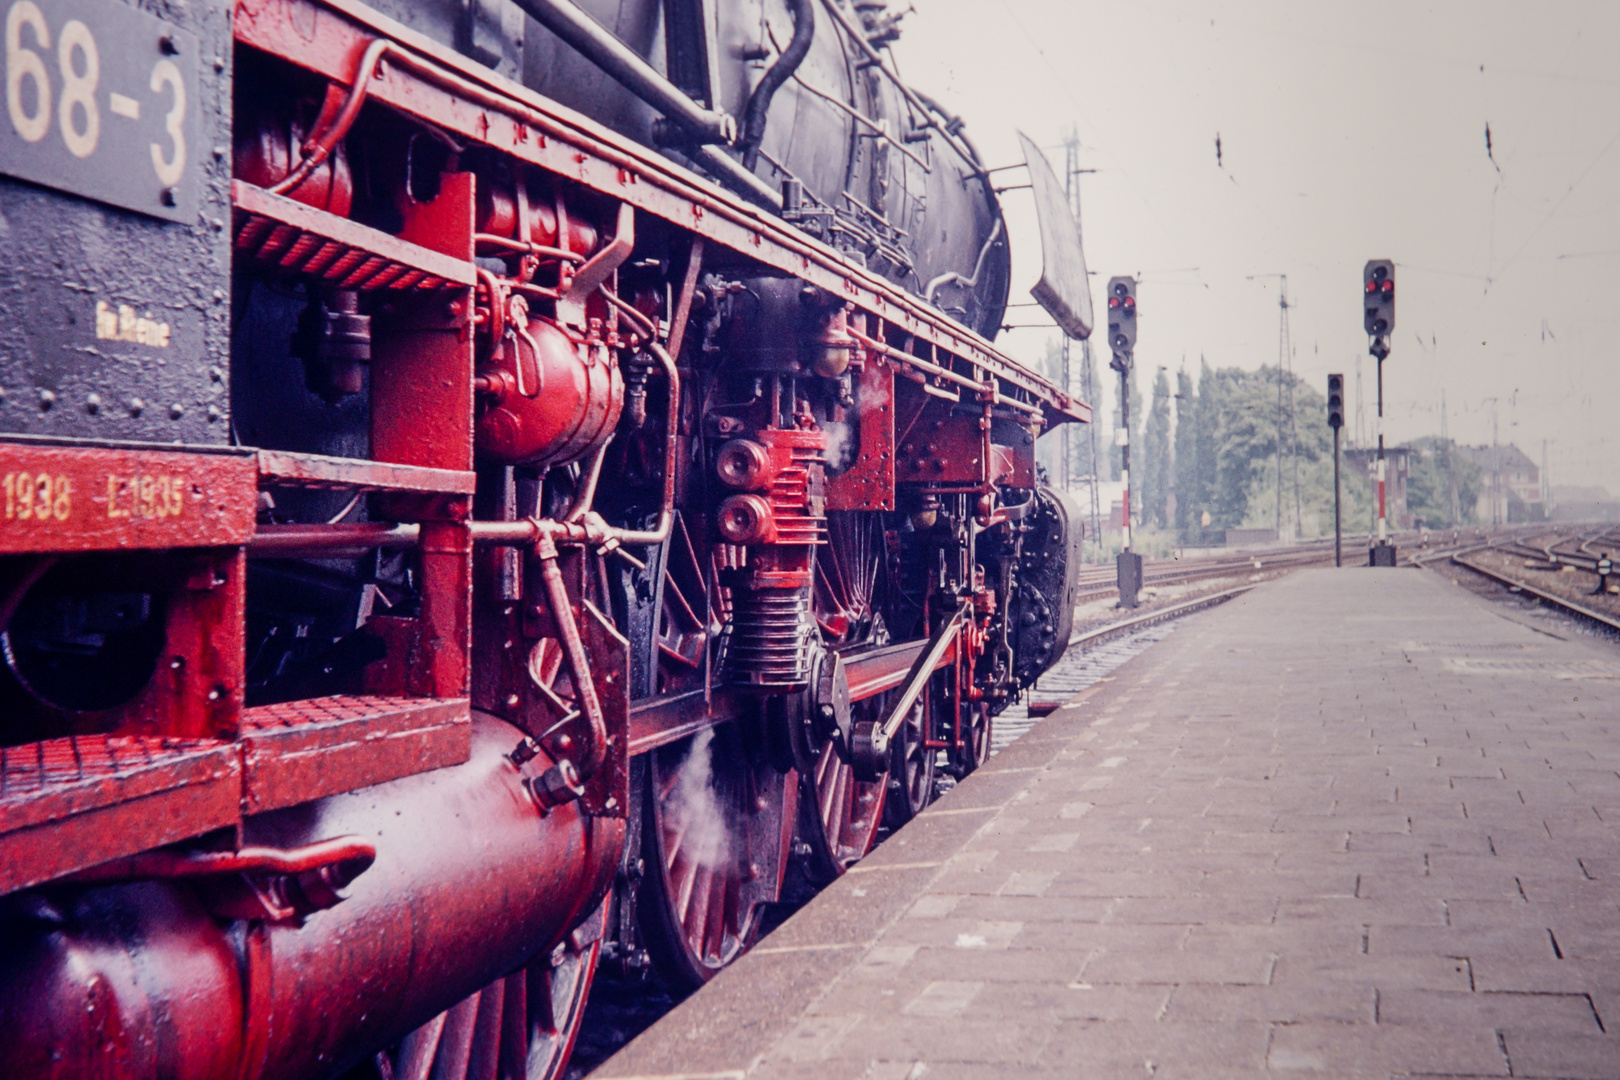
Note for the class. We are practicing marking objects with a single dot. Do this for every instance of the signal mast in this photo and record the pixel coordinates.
(1378, 319)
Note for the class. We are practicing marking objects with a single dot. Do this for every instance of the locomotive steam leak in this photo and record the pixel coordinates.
(694, 811)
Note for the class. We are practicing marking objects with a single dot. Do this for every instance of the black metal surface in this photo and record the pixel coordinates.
(916, 209)
(1048, 584)
(116, 117)
(1130, 578)
(118, 322)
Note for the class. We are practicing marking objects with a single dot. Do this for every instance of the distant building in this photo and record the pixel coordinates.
(1397, 466)
(1571, 503)
(1510, 485)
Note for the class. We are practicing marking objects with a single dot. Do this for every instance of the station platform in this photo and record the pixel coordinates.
(1353, 823)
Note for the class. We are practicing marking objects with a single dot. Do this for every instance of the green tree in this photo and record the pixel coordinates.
(1186, 464)
(1206, 423)
(1246, 446)
(1435, 466)
(1316, 496)
(1156, 455)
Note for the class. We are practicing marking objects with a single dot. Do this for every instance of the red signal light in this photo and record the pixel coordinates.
(1130, 303)
(1113, 303)
(1372, 286)
(1389, 288)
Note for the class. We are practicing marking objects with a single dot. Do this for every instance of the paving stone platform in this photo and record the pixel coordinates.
(1354, 823)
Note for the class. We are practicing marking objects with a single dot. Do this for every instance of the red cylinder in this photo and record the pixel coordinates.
(549, 398)
(270, 144)
(140, 981)
(497, 215)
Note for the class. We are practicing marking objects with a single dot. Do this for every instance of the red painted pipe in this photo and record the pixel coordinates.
(139, 981)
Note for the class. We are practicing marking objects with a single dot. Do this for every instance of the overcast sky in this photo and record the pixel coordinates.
(1348, 132)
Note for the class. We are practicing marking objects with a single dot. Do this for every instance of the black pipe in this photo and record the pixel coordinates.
(598, 45)
(757, 111)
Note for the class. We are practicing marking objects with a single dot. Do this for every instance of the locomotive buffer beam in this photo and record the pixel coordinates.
(869, 746)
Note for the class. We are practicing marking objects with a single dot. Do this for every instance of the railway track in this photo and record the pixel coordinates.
(1557, 551)
(1582, 550)
(1098, 582)
(1188, 571)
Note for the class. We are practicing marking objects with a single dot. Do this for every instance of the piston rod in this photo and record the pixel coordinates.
(871, 740)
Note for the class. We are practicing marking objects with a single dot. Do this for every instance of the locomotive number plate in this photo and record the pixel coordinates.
(60, 499)
(101, 101)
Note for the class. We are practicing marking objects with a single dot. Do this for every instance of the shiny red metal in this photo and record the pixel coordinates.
(270, 145)
(142, 980)
(71, 803)
(532, 216)
(867, 479)
(303, 750)
(73, 499)
(548, 396)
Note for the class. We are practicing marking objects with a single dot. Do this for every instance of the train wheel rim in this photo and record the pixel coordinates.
(912, 772)
(839, 814)
(977, 728)
(523, 1025)
(717, 835)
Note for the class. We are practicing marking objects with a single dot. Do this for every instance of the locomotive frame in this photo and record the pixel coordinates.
(824, 560)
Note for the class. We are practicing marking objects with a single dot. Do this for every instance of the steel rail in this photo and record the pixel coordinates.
(1095, 583)
(1570, 606)
(1088, 638)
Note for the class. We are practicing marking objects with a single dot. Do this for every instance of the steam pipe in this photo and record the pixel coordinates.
(579, 664)
(756, 114)
(859, 39)
(565, 19)
(731, 173)
(947, 374)
(318, 147)
(587, 490)
(672, 421)
(951, 276)
(589, 528)
(291, 541)
(355, 851)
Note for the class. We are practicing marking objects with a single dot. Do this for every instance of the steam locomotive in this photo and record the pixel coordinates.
(489, 487)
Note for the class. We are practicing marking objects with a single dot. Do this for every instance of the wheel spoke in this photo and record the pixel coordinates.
(705, 833)
(417, 1050)
(839, 801)
(697, 909)
(685, 874)
(515, 1027)
(455, 1045)
(486, 1044)
(827, 775)
(715, 925)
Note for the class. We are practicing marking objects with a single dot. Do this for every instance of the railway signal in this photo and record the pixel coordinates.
(1605, 567)
(1378, 319)
(1335, 418)
(1378, 297)
(1122, 320)
(1122, 340)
